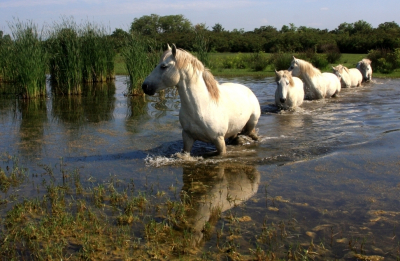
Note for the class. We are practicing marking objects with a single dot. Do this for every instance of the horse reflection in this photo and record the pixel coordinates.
(213, 190)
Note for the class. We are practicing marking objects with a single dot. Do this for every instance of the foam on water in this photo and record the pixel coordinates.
(175, 159)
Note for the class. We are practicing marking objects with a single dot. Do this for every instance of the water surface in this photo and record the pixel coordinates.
(329, 171)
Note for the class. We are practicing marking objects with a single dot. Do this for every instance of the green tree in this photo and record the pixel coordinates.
(265, 29)
(146, 25)
(173, 24)
(153, 24)
(362, 26)
(217, 28)
(389, 26)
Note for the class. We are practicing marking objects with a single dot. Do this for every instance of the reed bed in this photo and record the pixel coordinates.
(97, 54)
(24, 60)
(140, 56)
(79, 54)
(65, 58)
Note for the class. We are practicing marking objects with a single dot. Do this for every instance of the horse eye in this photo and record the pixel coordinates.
(163, 66)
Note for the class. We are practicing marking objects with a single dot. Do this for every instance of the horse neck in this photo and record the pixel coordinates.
(193, 91)
(310, 81)
(346, 77)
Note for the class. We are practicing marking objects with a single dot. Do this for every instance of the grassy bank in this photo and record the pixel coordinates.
(216, 59)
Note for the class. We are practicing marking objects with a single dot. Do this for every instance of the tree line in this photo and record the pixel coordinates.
(357, 37)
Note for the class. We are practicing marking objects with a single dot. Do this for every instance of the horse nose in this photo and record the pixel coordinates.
(146, 88)
(282, 100)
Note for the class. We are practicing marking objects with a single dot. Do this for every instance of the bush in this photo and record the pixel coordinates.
(258, 61)
(318, 60)
(234, 62)
(281, 61)
(332, 52)
(384, 60)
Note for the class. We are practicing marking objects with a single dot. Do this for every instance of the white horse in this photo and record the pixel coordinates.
(289, 91)
(209, 112)
(348, 77)
(319, 85)
(365, 68)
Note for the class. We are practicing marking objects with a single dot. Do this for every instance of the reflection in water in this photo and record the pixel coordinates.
(95, 105)
(33, 121)
(100, 101)
(136, 107)
(136, 113)
(215, 189)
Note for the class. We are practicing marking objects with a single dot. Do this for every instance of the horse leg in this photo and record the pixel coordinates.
(220, 145)
(187, 142)
(250, 129)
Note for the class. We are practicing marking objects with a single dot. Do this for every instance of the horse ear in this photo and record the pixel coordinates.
(169, 47)
(173, 50)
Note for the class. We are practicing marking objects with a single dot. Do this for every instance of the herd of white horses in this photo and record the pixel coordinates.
(291, 90)
(213, 112)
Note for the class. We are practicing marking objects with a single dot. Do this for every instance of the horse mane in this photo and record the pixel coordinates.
(366, 60)
(287, 74)
(186, 60)
(346, 69)
(308, 68)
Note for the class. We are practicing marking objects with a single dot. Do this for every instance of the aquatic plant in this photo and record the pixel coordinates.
(79, 54)
(201, 46)
(65, 58)
(27, 60)
(140, 56)
(5, 55)
(97, 54)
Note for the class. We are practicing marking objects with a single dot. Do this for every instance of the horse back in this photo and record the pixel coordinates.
(333, 85)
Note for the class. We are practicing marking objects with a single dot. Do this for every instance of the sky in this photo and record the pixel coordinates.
(231, 14)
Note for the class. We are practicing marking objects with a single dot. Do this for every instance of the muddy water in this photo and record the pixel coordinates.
(325, 175)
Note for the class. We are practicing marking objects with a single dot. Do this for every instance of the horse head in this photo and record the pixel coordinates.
(164, 75)
(338, 70)
(365, 68)
(284, 81)
(295, 67)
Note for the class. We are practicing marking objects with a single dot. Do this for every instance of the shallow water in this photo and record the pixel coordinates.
(328, 170)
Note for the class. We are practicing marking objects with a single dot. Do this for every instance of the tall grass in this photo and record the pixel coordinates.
(200, 47)
(27, 61)
(79, 54)
(97, 54)
(140, 56)
(65, 58)
(5, 56)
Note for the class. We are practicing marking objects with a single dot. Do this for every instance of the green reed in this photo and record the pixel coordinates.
(27, 61)
(65, 58)
(79, 54)
(97, 54)
(5, 56)
(200, 46)
(140, 56)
